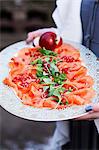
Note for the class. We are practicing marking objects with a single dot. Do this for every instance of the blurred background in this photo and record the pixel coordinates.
(17, 18)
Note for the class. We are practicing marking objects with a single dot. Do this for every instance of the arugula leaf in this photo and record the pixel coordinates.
(47, 80)
(59, 60)
(59, 78)
(62, 76)
(39, 61)
(57, 100)
(45, 73)
(53, 66)
(36, 61)
(43, 77)
(47, 52)
(39, 70)
(47, 59)
(56, 91)
(51, 90)
(39, 73)
(54, 61)
(48, 70)
(70, 90)
(53, 71)
(45, 88)
(39, 67)
(67, 102)
(61, 89)
(33, 62)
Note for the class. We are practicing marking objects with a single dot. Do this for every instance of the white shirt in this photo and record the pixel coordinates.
(68, 22)
(67, 19)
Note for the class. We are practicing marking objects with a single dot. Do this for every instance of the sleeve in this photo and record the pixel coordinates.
(97, 124)
(67, 19)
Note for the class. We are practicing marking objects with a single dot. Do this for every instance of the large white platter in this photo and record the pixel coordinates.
(12, 104)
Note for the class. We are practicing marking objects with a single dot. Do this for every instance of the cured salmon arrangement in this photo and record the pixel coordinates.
(45, 78)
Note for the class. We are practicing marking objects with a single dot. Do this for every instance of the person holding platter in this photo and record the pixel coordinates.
(76, 21)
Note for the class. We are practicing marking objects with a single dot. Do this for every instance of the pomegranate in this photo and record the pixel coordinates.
(50, 41)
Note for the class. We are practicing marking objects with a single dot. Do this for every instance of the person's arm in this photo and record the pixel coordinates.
(93, 114)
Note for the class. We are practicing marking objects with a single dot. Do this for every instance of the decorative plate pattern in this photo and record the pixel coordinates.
(12, 104)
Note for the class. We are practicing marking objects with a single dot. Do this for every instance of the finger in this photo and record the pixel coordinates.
(96, 107)
(34, 34)
(31, 36)
(90, 116)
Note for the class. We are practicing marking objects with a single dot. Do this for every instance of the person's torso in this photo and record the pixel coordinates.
(90, 24)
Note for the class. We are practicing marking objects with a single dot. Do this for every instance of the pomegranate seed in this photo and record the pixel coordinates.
(24, 84)
(51, 59)
(31, 75)
(63, 100)
(68, 58)
(12, 59)
(16, 63)
(23, 59)
(27, 53)
(65, 70)
(48, 65)
(38, 80)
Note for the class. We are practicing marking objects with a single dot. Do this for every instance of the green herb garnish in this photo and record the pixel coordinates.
(59, 78)
(67, 102)
(47, 80)
(57, 100)
(54, 67)
(47, 52)
(70, 90)
(53, 91)
(39, 61)
(45, 88)
(54, 61)
(36, 61)
(39, 70)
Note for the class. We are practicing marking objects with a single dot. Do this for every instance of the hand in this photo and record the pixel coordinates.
(93, 112)
(39, 32)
